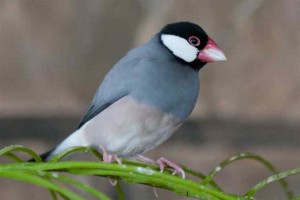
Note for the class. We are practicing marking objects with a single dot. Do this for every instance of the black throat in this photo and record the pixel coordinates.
(197, 64)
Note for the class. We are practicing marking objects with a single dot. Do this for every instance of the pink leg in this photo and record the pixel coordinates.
(142, 158)
(119, 161)
(106, 156)
(162, 162)
(108, 159)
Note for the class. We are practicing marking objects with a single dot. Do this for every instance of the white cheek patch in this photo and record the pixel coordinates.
(180, 47)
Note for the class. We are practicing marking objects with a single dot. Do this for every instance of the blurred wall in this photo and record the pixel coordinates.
(53, 54)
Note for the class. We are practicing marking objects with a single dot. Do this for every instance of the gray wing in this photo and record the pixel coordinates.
(95, 109)
(116, 84)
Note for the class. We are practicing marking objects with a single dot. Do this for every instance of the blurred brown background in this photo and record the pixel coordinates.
(54, 54)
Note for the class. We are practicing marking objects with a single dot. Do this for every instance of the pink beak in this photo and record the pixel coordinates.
(211, 52)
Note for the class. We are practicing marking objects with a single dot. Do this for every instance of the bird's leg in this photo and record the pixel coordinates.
(117, 159)
(108, 159)
(142, 158)
(162, 162)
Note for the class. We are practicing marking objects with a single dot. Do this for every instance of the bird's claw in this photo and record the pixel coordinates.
(110, 158)
(162, 162)
(107, 158)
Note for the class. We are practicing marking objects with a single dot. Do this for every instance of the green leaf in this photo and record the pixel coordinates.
(252, 156)
(49, 175)
(276, 177)
(21, 176)
(7, 152)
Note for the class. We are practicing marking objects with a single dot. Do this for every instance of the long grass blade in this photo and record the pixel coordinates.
(131, 174)
(267, 164)
(13, 148)
(120, 192)
(26, 177)
(271, 179)
(14, 157)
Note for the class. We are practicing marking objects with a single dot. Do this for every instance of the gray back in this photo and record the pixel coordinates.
(151, 74)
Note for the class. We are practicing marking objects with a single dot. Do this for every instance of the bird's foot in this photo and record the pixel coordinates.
(109, 159)
(162, 162)
(145, 159)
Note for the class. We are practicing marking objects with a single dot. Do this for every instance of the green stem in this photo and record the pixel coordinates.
(271, 179)
(201, 176)
(258, 158)
(120, 191)
(14, 157)
(130, 174)
(17, 175)
(82, 186)
(53, 195)
(7, 151)
(130, 162)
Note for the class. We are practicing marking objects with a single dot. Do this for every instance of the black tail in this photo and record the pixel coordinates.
(44, 156)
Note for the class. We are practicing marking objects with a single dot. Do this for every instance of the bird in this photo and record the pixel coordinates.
(146, 96)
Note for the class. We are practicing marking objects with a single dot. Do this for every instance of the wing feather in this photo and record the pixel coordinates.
(95, 109)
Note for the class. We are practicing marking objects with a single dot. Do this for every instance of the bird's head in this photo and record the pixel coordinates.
(190, 43)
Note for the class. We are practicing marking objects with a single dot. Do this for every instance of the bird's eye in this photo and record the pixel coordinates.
(195, 41)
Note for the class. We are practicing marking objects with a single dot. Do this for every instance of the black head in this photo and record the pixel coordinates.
(189, 42)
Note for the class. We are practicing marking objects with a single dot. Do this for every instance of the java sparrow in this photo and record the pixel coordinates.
(146, 96)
